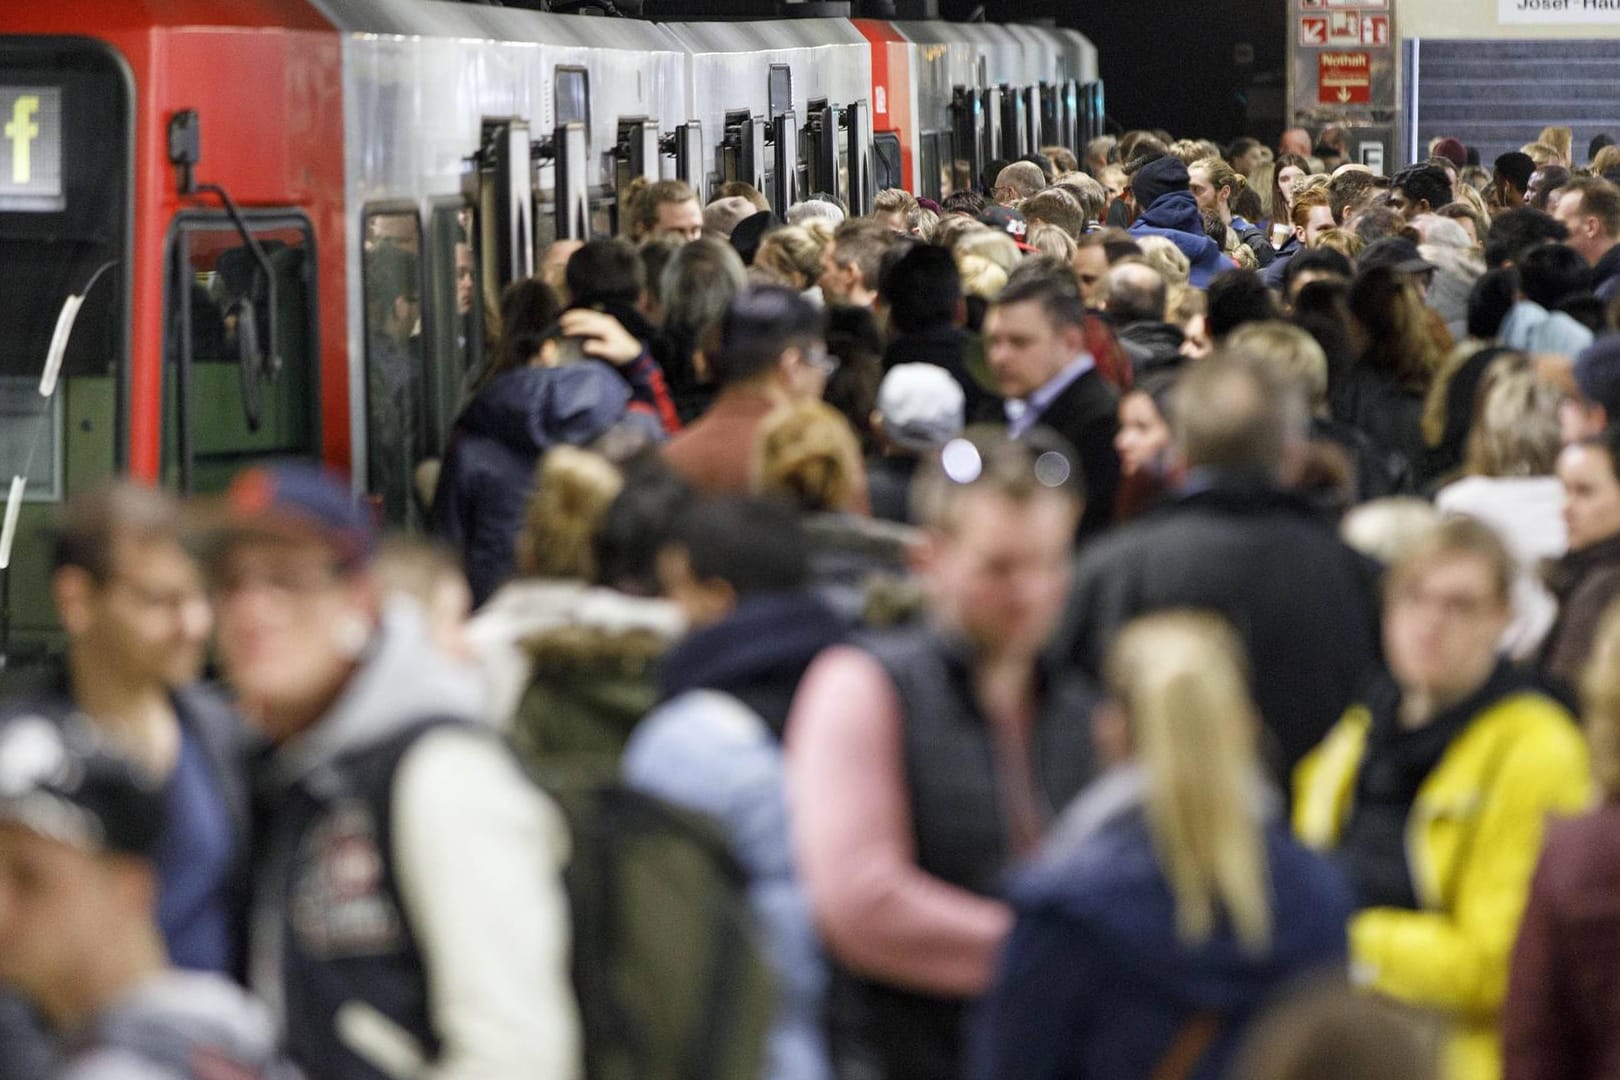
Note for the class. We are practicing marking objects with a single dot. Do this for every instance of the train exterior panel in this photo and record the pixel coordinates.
(111, 77)
(355, 136)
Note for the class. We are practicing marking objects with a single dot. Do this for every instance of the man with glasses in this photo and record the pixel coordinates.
(132, 604)
(923, 763)
(1433, 790)
(772, 350)
(409, 916)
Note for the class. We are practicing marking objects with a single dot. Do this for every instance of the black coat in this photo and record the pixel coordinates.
(488, 473)
(947, 347)
(1152, 346)
(1086, 413)
(1302, 601)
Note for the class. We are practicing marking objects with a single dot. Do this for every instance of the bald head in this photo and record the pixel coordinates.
(1133, 292)
(1295, 140)
(1019, 180)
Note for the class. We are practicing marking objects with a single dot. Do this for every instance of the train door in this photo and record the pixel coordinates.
(240, 358)
(65, 303)
(424, 321)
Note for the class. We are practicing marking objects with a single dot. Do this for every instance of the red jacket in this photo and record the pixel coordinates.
(1562, 1016)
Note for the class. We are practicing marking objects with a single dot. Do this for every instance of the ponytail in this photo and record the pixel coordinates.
(1180, 679)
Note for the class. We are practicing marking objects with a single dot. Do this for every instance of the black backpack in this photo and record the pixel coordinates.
(672, 980)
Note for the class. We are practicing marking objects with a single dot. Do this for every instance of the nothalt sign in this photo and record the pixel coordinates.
(1343, 78)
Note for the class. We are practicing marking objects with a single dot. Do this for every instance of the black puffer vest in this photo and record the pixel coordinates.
(963, 836)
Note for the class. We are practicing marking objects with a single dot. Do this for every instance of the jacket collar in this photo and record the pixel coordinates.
(1564, 573)
(766, 633)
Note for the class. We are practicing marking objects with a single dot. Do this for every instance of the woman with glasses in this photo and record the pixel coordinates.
(1433, 790)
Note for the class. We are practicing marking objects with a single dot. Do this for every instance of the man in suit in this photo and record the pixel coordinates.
(1035, 343)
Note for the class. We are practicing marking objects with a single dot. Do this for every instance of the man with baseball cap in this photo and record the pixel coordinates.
(409, 914)
(79, 830)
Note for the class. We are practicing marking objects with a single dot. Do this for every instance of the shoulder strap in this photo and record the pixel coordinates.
(1190, 1045)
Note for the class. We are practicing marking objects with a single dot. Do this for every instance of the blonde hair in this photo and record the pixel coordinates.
(574, 489)
(1221, 175)
(1515, 430)
(1606, 161)
(808, 452)
(1263, 179)
(1289, 352)
(1600, 703)
(793, 253)
(1180, 677)
(1384, 529)
(992, 244)
(1562, 140)
(1051, 240)
(1541, 153)
(921, 223)
(1161, 253)
(1345, 242)
(980, 277)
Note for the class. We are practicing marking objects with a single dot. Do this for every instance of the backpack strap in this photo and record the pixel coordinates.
(1188, 1048)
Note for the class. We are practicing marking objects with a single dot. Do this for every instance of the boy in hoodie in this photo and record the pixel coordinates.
(409, 916)
(740, 570)
(1167, 208)
(79, 827)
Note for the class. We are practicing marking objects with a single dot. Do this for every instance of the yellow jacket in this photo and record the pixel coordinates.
(1472, 840)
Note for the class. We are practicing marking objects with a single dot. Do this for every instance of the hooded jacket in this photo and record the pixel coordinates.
(488, 471)
(187, 1026)
(1531, 328)
(715, 746)
(1095, 981)
(448, 956)
(1471, 838)
(1175, 216)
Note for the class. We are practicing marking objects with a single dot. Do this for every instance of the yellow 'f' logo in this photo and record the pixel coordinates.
(22, 131)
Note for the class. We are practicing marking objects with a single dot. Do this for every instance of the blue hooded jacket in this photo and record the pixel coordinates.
(488, 472)
(1095, 982)
(1175, 217)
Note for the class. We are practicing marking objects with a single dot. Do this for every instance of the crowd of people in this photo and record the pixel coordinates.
(1144, 616)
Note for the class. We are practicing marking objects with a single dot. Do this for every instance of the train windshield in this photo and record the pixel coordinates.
(64, 222)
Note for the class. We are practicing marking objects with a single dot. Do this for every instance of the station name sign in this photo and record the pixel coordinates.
(1558, 12)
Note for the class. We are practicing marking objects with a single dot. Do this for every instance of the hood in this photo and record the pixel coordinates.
(533, 409)
(1174, 210)
(1175, 217)
(1101, 869)
(403, 677)
(176, 1019)
(769, 635)
(1532, 328)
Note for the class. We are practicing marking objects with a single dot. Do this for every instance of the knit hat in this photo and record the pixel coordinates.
(922, 406)
(1158, 177)
(1453, 151)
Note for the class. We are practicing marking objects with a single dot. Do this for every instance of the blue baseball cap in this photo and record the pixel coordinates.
(297, 500)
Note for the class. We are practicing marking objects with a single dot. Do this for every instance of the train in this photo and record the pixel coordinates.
(189, 190)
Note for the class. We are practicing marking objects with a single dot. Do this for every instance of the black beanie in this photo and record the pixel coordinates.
(1158, 177)
(750, 231)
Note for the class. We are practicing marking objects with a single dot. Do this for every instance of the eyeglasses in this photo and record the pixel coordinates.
(817, 357)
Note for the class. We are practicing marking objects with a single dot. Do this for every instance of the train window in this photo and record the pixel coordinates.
(781, 90)
(395, 404)
(228, 397)
(886, 157)
(573, 88)
(454, 319)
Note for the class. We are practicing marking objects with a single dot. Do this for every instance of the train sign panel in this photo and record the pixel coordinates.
(31, 148)
(1344, 78)
(1337, 29)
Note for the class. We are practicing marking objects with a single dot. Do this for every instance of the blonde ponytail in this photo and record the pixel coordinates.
(1180, 677)
(574, 489)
